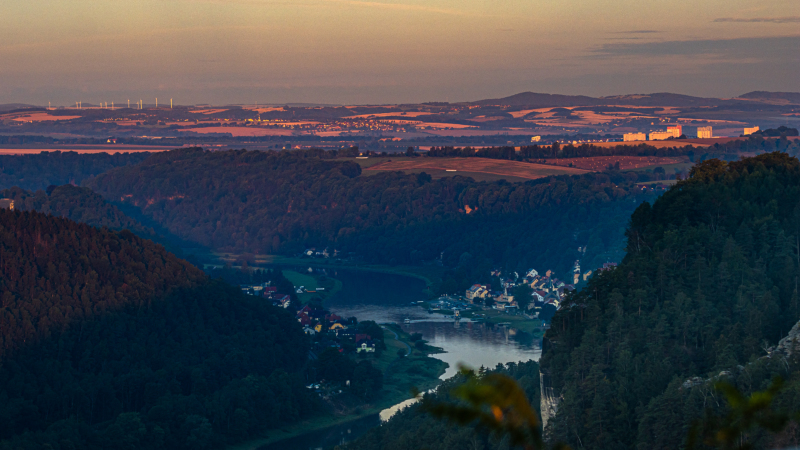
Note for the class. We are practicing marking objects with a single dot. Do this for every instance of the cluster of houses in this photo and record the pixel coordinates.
(652, 187)
(334, 330)
(547, 290)
(324, 253)
(269, 292)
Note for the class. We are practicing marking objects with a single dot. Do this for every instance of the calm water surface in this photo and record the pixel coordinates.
(387, 298)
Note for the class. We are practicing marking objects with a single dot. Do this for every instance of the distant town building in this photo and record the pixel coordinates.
(6, 203)
(536, 138)
(705, 133)
(749, 131)
(634, 137)
(660, 135)
(677, 131)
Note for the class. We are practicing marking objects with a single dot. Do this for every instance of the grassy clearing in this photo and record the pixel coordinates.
(436, 174)
(431, 275)
(665, 182)
(668, 168)
(373, 161)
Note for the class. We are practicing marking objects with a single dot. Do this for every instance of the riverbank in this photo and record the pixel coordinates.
(401, 373)
(431, 275)
(311, 283)
(493, 317)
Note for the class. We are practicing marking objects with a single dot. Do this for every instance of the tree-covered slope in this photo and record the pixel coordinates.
(108, 340)
(77, 204)
(414, 429)
(709, 282)
(283, 202)
(40, 170)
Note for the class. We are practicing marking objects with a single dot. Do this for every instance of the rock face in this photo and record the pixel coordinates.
(790, 342)
(548, 405)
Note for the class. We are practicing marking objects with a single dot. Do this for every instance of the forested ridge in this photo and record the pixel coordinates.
(110, 341)
(708, 285)
(284, 202)
(77, 204)
(56, 272)
(40, 170)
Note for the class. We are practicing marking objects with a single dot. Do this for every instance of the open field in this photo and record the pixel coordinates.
(311, 283)
(671, 168)
(473, 132)
(87, 149)
(42, 117)
(208, 111)
(431, 275)
(392, 114)
(479, 165)
(600, 163)
(367, 163)
(664, 182)
(477, 176)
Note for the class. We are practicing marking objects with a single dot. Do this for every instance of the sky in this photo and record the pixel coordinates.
(390, 51)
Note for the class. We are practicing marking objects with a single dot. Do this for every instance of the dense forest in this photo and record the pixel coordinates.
(40, 170)
(708, 287)
(109, 341)
(414, 429)
(77, 204)
(284, 202)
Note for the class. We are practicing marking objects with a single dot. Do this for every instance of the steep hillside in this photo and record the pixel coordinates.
(75, 203)
(414, 429)
(709, 283)
(106, 338)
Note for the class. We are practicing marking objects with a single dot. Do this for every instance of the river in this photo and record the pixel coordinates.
(387, 298)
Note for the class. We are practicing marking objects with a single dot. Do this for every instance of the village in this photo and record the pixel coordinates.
(534, 296)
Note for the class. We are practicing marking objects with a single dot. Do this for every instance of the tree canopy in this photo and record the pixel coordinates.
(708, 285)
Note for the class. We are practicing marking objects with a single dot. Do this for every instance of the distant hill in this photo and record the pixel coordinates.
(660, 99)
(538, 100)
(790, 97)
(5, 107)
(106, 338)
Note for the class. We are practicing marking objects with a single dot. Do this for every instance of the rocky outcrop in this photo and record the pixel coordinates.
(790, 342)
(548, 405)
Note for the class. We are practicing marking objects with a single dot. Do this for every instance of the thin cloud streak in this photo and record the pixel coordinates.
(762, 46)
(791, 19)
(402, 7)
(359, 3)
(636, 32)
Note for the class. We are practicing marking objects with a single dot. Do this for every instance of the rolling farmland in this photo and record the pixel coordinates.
(467, 166)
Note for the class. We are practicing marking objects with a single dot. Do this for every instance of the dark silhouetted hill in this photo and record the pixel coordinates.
(105, 338)
(707, 287)
(789, 97)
